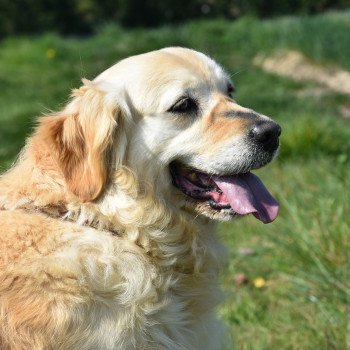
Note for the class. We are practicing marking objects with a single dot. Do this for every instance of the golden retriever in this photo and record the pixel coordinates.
(107, 237)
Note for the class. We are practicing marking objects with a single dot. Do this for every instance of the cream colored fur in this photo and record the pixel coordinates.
(98, 249)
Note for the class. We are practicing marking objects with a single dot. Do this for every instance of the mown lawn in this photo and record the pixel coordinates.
(302, 260)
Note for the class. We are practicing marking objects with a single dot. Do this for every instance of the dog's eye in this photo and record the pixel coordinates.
(184, 105)
(230, 90)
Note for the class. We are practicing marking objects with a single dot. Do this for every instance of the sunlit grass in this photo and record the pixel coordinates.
(303, 257)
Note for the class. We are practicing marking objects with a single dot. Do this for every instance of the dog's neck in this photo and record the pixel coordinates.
(123, 210)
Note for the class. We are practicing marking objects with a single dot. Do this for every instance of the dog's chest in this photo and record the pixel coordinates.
(145, 300)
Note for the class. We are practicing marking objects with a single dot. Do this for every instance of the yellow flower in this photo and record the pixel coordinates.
(259, 282)
(50, 53)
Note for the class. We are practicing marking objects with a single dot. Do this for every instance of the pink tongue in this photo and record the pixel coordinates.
(248, 195)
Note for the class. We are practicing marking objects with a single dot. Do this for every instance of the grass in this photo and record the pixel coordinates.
(304, 259)
(304, 256)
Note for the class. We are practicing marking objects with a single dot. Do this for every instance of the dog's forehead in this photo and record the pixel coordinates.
(173, 65)
(194, 61)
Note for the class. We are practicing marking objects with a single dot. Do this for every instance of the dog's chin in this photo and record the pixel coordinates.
(203, 208)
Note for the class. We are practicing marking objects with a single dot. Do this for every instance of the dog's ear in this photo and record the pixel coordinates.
(79, 139)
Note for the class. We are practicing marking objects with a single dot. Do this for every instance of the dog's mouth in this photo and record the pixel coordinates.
(242, 194)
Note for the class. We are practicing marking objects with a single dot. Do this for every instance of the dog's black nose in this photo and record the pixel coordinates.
(266, 134)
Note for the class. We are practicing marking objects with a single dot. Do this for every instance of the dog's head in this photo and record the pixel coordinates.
(169, 116)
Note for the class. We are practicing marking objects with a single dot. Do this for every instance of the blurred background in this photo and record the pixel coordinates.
(287, 283)
(83, 16)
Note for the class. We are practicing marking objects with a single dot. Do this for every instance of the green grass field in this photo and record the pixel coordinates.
(303, 301)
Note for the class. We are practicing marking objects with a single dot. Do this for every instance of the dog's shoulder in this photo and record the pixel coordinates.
(25, 235)
(41, 243)
(63, 279)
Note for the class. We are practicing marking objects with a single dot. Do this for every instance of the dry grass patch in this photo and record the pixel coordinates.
(294, 65)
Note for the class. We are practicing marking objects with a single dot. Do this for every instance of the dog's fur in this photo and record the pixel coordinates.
(98, 249)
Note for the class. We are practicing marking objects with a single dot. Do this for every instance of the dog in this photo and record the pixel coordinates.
(108, 237)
